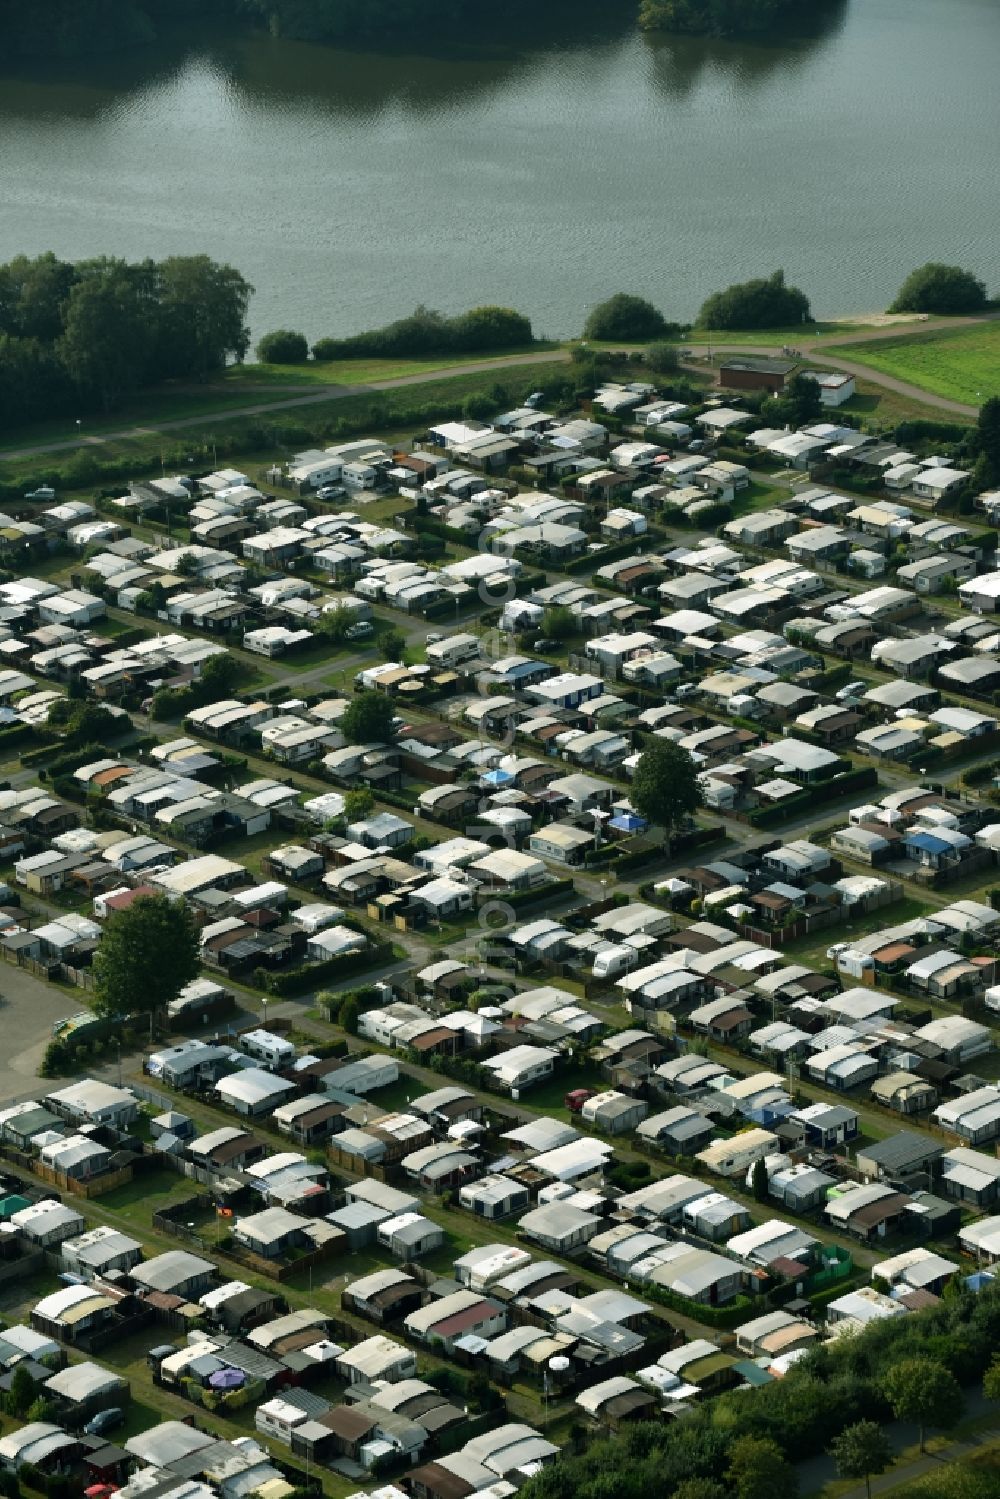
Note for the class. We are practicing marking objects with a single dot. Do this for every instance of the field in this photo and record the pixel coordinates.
(963, 365)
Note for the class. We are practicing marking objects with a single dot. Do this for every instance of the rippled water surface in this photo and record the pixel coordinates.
(350, 186)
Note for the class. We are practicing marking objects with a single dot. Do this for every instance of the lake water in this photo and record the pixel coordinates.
(349, 187)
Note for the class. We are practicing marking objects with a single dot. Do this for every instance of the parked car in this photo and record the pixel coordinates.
(105, 1421)
(850, 691)
(432, 638)
(545, 645)
(361, 631)
(331, 492)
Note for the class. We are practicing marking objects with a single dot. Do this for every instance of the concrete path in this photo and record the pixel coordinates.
(817, 347)
(28, 1009)
(264, 408)
(817, 1472)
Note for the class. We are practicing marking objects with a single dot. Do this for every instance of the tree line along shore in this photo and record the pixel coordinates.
(80, 338)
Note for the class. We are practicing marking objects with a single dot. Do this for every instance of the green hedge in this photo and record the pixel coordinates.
(17, 734)
(822, 791)
(61, 764)
(591, 561)
(315, 975)
(518, 898)
(731, 1315)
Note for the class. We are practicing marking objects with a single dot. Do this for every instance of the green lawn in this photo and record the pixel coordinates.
(768, 337)
(881, 409)
(962, 364)
(812, 950)
(237, 440)
(361, 371)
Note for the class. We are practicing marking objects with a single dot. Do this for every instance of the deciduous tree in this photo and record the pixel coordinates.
(758, 1470)
(986, 442)
(105, 344)
(766, 302)
(334, 623)
(559, 623)
(662, 357)
(924, 1392)
(861, 1450)
(368, 720)
(665, 788)
(626, 317)
(358, 804)
(147, 954)
(935, 287)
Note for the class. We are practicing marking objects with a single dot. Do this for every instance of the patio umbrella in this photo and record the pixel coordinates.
(227, 1379)
(497, 778)
(628, 822)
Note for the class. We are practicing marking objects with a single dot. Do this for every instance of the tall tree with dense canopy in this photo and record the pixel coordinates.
(861, 1450)
(766, 302)
(986, 445)
(148, 953)
(78, 338)
(758, 1469)
(665, 788)
(799, 402)
(623, 316)
(368, 720)
(104, 343)
(203, 316)
(923, 1391)
(940, 288)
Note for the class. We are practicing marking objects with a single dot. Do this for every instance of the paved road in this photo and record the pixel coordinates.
(816, 1472)
(29, 1008)
(264, 408)
(816, 345)
(819, 346)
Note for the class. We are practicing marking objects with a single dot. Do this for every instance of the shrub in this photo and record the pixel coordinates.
(940, 288)
(625, 317)
(762, 303)
(662, 357)
(283, 347)
(425, 333)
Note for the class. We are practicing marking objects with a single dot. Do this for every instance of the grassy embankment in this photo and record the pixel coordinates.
(962, 364)
(129, 437)
(365, 371)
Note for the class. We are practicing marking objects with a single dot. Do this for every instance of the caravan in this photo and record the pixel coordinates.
(358, 475)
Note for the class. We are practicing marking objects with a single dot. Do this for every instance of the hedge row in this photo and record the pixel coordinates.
(731, 1315)
(591, 561)
(822, 791)
(312, 975)
(18, 733)
(518, 898)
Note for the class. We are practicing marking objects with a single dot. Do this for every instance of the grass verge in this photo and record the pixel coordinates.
(962, 364)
